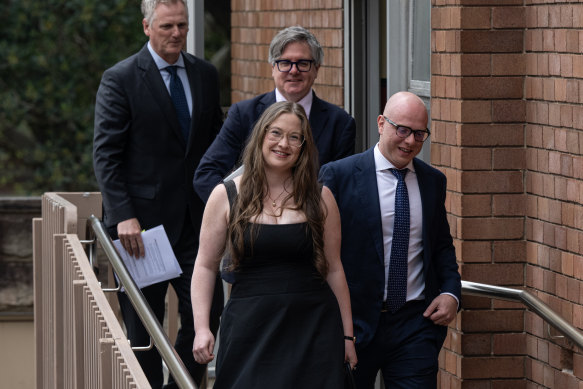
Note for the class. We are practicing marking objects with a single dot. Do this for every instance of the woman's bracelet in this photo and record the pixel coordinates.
(353, 338)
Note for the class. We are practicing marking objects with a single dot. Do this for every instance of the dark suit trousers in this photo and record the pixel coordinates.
(405, 348)
(151, 361)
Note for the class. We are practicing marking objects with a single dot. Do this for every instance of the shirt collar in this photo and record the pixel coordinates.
(160, 63)
(305, 102)
(381, 163)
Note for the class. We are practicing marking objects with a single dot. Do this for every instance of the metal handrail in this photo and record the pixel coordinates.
(161, 341)
(528, 299)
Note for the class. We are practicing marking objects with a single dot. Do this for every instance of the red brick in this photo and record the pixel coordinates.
(451, 362)
(509, 251)
(493, 321)
(508, 64)
(508, 17)
(476, 344)
(566, 65)
(536, 40)
(549, 377)
(492, 228)
(566, 16)
(476, 111)
(489, 2)
(477, 41)
(492, 182)
(480, 251)
(548, 86)
(560, 40)
(572, 41)
(554, 64)
(509, 344)
(572, 91)
(491, 135)
(543, 17)
(491, 87)
(578, 365)
(476, 159)
(567, 260)
(509, 205)
(509, 384)
(493, 367)
(548, 40)
(496, 274)
(476, 205)
(475, 18)
(476, 64)
(509, 111)
(542, 64)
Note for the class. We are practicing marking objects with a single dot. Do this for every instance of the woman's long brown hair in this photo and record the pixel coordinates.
(253, 188)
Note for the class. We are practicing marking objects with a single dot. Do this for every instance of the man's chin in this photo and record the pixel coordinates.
(296, 94)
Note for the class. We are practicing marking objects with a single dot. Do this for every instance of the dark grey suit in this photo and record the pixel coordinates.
(145, 169)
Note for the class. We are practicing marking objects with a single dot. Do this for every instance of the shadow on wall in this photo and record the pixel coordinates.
(16, 291)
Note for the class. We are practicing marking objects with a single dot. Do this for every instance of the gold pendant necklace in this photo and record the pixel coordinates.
(274, 201)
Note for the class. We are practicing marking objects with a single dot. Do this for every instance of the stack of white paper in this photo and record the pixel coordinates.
(159, 263)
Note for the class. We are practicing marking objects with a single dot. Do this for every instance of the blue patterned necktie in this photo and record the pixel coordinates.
(179, 100)
(397, 284)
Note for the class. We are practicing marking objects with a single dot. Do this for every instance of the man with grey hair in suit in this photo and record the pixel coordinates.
(156, 113)
(295, 56)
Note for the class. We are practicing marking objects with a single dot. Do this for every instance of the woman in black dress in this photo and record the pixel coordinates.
(288, 321)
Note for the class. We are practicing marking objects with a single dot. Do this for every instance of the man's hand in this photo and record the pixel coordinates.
(130, 236)
(442, 309)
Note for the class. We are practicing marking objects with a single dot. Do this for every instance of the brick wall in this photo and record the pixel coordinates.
(255, 22)
(478, 115)
(507, 130)
(554, 172)
(507, 94)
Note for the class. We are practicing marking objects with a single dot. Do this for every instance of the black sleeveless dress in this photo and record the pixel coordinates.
(281, 327)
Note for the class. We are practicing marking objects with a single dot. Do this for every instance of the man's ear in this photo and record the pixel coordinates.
(146, 27)
(380, 124)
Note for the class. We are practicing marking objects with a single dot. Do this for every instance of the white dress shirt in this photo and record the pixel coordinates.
(387, 186)
(305, 102)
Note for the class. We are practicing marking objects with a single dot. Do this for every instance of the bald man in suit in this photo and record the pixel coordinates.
(397, 250)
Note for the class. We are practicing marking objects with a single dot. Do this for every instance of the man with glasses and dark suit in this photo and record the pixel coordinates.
(397, 250)
(295, 56)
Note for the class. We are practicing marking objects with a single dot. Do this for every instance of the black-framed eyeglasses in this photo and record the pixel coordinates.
(285, 66)
(294, 139)
(404, 131)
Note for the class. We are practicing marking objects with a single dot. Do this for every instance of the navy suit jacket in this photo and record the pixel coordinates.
(142, 163)
(333, 129)
(353, 182)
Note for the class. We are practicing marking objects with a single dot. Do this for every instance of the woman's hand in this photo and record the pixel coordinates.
(202, 349)
(350, 353)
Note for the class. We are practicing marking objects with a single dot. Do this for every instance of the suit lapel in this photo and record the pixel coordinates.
(196, 92)
(318, 117)
(267, 100)
(366, 186)
(153, 80)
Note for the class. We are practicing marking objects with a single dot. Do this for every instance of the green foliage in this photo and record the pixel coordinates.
(53, 54)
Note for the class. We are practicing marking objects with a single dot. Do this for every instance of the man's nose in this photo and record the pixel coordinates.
(294, 68)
